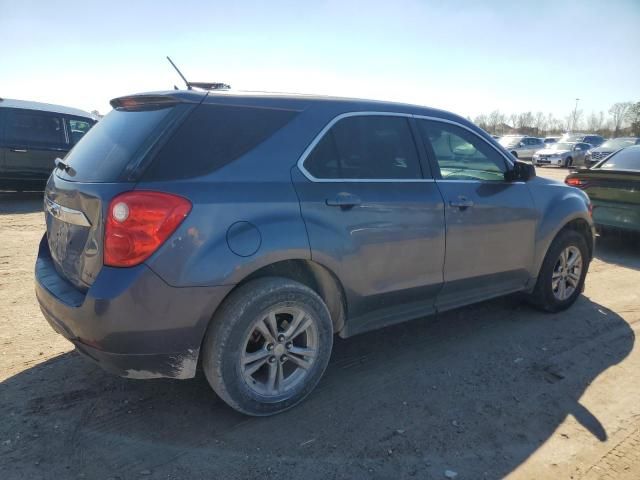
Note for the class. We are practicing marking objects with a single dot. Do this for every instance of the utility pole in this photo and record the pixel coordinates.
(575, 114)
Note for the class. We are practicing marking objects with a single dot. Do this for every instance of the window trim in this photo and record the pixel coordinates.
(336, 119)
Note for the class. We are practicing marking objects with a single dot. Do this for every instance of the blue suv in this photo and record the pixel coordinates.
(241, 232)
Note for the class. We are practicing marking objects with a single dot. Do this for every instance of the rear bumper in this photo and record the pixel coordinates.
(130, 321)
(616, 215)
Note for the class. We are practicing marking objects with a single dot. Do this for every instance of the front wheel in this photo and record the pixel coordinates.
(568, 162)
(268, 345)
(561, 278)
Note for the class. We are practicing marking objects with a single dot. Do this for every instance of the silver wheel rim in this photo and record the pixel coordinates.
(566, 273)
(279, 351)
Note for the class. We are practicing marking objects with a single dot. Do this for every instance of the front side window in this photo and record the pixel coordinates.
(27, 127)
(460, 154)
(77, 129)
(366, 147)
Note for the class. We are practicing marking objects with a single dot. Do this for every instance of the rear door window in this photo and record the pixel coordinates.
(34, 129)
(115, 141)
(213, 136)
(77, 128)
(376, 147)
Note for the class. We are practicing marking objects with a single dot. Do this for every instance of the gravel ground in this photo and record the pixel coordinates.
(493, 390)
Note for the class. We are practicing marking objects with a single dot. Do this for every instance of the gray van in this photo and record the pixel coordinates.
(32, 136)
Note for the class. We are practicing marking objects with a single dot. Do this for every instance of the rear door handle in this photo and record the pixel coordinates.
(462, 203)
(19, 150)
(344, 201)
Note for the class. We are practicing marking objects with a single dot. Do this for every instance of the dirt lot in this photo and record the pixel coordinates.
(489, 391)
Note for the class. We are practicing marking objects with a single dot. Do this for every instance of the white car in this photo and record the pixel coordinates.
(562, 154)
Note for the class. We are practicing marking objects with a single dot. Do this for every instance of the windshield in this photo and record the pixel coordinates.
(509, 141)
(618, 143)
(560, 146)
(627, 159)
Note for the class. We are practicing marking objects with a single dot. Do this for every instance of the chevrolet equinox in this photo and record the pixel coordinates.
(239, 232)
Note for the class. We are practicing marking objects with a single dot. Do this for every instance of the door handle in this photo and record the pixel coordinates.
(344, 201)
(19, 150)
(462, 203)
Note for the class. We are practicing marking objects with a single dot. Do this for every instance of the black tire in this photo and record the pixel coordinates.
(543, 296)
(231, 325)
(568, 162)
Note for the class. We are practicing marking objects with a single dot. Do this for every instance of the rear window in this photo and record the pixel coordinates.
(627, 159)
(212, 137)
(108, 147)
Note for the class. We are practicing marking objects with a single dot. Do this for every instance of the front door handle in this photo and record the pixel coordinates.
(344, 201)
(462, 203)
(19, 150)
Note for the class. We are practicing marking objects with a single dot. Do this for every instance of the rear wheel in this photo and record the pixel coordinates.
(268, 346)
(568, 162)
(561, 278)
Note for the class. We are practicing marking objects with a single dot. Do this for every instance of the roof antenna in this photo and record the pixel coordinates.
(202, 85)
(179, 73)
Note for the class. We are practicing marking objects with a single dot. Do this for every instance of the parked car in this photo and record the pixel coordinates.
(32, 136)
(549, 140)
(243, 231)
(562, 154)
(591, 139)
(608, 147)
(521, 146)
(613, 186)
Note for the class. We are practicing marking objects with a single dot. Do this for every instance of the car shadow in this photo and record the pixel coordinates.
(477, 390)
(20, 202)
(619, 249)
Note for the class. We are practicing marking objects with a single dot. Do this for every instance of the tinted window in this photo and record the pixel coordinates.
(112, 143)
(627, 159)
(28, 127)
(213, 136)
(366, 147)
(460, 154)
(77, 128)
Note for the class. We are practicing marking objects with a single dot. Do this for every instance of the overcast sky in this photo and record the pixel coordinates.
(465, 56)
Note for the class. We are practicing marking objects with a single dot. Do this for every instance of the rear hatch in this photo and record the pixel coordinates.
(107, 161)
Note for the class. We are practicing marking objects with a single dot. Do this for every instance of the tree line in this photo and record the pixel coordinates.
(622, 119)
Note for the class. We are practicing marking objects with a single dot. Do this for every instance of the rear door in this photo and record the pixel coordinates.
(490, 222)
(373, 217)
(33, 140)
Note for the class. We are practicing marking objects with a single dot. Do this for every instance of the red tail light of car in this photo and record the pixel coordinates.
(138, 222)
(575, 182)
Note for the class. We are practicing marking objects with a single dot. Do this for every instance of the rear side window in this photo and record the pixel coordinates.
(28, 127)
(77, 128)
(213, 136)
(366, 147)
(108, 147)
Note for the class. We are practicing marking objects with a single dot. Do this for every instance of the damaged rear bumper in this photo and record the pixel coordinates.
(130, 322)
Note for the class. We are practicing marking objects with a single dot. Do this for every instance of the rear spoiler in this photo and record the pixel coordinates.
(134, 102)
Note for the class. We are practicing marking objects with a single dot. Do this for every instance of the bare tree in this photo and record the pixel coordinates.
(573, 120)
(495, 121)
(633, 117)
(618, 113)
(539, 122)
(513, 120)
(525, 122)
(594, 122)
(481, 121)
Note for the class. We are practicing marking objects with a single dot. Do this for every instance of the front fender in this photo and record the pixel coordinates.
(558, 205)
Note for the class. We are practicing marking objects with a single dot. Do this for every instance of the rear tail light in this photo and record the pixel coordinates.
(575, 182)
(138, 223)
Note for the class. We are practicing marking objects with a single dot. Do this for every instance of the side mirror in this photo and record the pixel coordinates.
(521, 144)
(521, 172)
